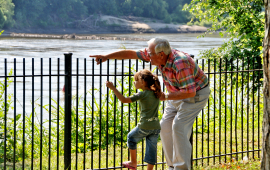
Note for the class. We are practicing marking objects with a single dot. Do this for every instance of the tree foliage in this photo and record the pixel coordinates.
(51, 13)
(6, 13)
(241, 20)
(41, 13)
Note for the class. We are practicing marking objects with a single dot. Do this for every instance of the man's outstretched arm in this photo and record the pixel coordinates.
(123, 54)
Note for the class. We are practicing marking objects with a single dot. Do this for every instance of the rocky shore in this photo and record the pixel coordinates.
(88, 29)
(71, 36)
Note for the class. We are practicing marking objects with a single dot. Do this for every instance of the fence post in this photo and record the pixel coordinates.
(68, 97)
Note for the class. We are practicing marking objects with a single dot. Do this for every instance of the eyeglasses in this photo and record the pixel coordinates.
(151, 54)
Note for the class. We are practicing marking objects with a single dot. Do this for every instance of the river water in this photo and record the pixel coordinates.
(28, 49)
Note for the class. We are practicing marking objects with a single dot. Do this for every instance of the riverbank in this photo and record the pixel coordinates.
(92, 28)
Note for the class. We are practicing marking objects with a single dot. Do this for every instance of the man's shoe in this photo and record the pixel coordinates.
(171, 168)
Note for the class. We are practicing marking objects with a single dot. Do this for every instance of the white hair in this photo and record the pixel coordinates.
(160, 45)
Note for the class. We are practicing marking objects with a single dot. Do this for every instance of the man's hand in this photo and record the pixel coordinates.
(99, 58)
(162, 97)
(177, 95)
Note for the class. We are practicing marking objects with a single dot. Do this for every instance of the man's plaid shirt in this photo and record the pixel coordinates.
(180, 73)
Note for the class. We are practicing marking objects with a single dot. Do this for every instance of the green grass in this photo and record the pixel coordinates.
(229, 164)
(248, 165)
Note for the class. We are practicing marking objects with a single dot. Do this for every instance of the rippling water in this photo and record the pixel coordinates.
(46, 48)
(25, 50)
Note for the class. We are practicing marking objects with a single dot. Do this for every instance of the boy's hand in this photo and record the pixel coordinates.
(109, 84)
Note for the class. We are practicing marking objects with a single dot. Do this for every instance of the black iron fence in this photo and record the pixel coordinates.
(58, 114)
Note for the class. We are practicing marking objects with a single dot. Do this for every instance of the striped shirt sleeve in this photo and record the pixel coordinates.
(143, 55)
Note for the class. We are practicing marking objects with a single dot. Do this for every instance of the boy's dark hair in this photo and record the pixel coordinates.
(151, 80)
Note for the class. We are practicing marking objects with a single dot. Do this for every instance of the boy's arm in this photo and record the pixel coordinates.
(118, 94)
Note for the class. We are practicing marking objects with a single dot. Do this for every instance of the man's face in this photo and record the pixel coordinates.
(155, 58)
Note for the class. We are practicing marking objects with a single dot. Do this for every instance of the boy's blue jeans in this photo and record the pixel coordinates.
(151, 136)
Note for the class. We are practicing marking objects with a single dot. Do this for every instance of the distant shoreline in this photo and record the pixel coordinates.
(77, 34)
(114, 25)
(70, 36)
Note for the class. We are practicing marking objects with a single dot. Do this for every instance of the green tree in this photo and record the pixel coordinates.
(6, 13)
(103, 7)
(28, 12)
(41, 13)
(179, 15)
(174, 4)
(147, 8)
(175, 9)
(241, 20)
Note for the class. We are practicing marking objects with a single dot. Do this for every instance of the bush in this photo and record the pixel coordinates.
(168, 19)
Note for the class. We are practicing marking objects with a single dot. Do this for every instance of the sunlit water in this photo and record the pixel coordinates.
(29, 49)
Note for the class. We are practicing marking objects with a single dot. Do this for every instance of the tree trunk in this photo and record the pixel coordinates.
(265, 162)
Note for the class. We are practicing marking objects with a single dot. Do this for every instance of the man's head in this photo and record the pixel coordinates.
(159, 50)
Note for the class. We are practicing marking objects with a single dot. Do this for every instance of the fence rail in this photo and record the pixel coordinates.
(58, 114)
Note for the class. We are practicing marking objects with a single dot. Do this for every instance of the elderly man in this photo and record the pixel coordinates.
(188, 94)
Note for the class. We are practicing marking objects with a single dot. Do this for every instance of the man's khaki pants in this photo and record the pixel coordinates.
(176, 125)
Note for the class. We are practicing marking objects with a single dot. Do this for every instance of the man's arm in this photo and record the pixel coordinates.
(123, 54)
(177, 96)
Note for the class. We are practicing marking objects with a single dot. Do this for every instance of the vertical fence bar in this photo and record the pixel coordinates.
(92, 118)
(253, 103)
(208, 116)
(58, 109)
(231, 109)
(84, 135)
(258, 58)
(196, 135)
(122, 110)
(107, 118)
(136, 114)
(100, 113)
(236, 109)
(23, 143)
(226, 73)
(68, 98)
(41, 110)
(143, 139)
(114, 119)
(5, 117)
(248, 108)
(214, 153)
(15, 120)
(242, 110)
(50, 110)
(77, 112)
(129, 93)
(220, 61)
(202, 119)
